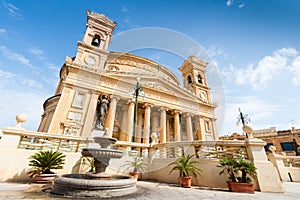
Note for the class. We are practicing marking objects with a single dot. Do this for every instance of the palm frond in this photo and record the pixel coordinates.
(186, 166)
(44, 161)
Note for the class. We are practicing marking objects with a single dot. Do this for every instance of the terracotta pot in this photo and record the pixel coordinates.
(240, 187)
(134, 174)
(186, 181)
(45, 178)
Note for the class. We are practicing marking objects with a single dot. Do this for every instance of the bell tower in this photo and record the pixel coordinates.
(92, 50)
(71, 111)
(194, 78)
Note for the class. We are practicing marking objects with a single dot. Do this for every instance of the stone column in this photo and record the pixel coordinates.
(162, 137)
(90, 115)
(177, 135)
(163, 116)
(130, 117)
(168, 130)
(110, 117)
(189, 128)
(146, 134)
(154, 123)
(61, 111)
(139, 127)
(123, 128)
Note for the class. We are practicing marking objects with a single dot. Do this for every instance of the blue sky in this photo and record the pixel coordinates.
(254, 45)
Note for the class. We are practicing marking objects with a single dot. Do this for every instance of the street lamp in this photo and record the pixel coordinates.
(243, 118)
(136, 92)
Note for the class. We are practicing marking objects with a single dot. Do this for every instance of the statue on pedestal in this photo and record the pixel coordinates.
(101, 111)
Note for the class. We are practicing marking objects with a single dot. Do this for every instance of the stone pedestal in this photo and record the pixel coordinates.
(267, 175)
(9, 141)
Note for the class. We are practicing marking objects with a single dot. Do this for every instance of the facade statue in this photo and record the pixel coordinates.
(101, 111)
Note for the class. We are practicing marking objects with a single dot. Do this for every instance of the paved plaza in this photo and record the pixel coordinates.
(153, 190)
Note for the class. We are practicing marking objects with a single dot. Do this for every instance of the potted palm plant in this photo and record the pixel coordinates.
(136, 165)
(186, 167)
(43, 162)
(239, 172)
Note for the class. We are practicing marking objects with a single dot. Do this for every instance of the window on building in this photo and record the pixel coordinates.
(79, 100)
(199, 79)
(286, 146)
(96, 41)
(207, 126)
(189, 79)
(75, 116)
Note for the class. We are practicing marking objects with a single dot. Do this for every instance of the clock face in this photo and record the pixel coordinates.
(89, 60)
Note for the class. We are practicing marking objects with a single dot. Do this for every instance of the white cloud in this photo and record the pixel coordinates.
(296, 70)
(241, 5)
(257, 109)
(124, 8)
(215, 50)
(20, 94)
(6, 75)
(229, 3)
(15, 102)
(281, 61)
(12, 80)
(2, 31)
(31, 83)
(36, 51)
(15, 56)
(12, 9)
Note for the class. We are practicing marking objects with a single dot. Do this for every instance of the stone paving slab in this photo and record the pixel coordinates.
(152, 190)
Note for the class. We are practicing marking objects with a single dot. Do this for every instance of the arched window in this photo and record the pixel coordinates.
(189, 79)
(96, 41)
(200, 79)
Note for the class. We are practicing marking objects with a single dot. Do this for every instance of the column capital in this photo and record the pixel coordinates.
(94, 92)
(188, 115)
(176, 111)
(163, 108)
(131, 100)
(114, 97)
(148, 105)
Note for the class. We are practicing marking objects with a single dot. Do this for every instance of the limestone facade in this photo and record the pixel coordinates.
(281, 139)
(173, 112)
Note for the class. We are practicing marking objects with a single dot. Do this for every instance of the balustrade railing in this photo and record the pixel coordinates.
(204, 149)
(45, 141)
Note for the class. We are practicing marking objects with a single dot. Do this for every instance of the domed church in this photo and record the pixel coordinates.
(127, 96)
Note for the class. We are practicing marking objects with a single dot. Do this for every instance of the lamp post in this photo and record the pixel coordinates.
(243, 118)
(138, 91)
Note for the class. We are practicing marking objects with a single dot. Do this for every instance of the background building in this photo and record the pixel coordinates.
(281, 139)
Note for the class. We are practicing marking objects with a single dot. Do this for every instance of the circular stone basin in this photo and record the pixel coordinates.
(105, 141)
(94, 185)
(103, 153)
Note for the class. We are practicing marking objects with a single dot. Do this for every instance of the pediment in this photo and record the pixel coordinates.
(130, 63)
(154, 83)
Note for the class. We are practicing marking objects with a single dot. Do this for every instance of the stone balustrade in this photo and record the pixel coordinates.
(21, 138)
(288, 167)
